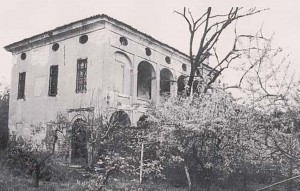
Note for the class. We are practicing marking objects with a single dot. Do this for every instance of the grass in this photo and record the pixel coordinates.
(60, 177)
(12, 179)
(15, 179)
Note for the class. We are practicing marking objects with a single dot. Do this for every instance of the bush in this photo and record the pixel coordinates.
(20, 161)
(4, 107)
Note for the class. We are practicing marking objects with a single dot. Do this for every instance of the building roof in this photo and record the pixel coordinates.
(46, 34)
(102, 16)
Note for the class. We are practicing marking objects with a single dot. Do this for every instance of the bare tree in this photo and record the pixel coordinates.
(212, 26)
(270, 88)
(269, 77)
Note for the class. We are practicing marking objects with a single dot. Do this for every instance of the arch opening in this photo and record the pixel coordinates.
(120, 118)
(122, 74)
(146, 80)
(142, 122)
(166, 79)
(181, 81)
(79, 153)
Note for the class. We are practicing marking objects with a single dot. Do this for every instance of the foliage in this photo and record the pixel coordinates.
(116, 153)
(16, 173)
(196, 133)
(216, 138)
(4, 107)
(36, 156)
(21, 159)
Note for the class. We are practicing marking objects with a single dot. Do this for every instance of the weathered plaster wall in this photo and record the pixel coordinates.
(103, 90)
(38, 107)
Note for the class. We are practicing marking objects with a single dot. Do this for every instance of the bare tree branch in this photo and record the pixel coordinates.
(214, 25)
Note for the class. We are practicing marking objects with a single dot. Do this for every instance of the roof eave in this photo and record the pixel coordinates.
(12, 47)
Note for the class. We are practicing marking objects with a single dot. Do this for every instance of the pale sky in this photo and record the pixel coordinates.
(21, 19)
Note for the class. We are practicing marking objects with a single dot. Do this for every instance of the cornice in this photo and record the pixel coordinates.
(76, 28)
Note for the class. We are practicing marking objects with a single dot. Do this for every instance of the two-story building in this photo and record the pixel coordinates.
(84, 66)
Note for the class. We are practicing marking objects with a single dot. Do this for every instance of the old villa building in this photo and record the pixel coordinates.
(83, 66)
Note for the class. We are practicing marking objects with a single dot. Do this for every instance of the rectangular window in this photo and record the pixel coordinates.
(53, 80)
(81, 75)
(21, 85)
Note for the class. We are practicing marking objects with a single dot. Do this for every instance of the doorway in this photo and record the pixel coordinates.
(79, 154)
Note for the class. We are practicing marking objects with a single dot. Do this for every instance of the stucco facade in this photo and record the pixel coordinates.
(117, 59)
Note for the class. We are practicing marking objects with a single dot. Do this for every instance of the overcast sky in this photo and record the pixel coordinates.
(21, 19)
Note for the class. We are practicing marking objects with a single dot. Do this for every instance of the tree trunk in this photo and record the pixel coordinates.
(188, 177)
(245, 178)
(36, 175)
(191, 77)
(290, 184)
(54, 142)
(208, 178)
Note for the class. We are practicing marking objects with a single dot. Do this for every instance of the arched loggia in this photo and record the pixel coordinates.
(166, 79)
(146, 80)
(120, 118)
(181, 84)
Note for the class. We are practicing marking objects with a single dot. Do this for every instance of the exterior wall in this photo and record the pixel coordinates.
(135, 51)
(38, 107)
(101, 49)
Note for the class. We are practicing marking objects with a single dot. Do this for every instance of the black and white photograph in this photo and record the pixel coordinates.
(160, 95)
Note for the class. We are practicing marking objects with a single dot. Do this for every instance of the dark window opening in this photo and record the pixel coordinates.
(23, 56)
(181, 84)
(142, 122)
(148, 51)
(79, 153)
(168, 60)
(146, 80)
(120, 119)
(184, 67)
(55, 47)
(53, 80)
(123, 41)
(21, 86)
(196, 86)
(81, 75)
(166, 79)
(83, 39)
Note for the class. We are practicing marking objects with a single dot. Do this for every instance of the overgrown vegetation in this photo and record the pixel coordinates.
(208, 143)
(203, 139)
(17, 170)
(4, 107)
